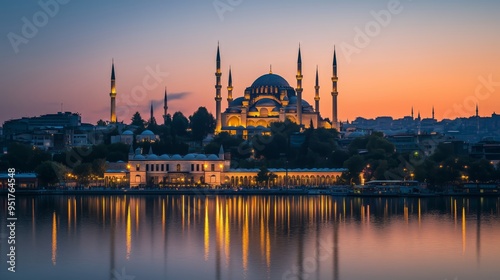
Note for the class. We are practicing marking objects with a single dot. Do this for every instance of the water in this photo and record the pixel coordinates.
(253, 237)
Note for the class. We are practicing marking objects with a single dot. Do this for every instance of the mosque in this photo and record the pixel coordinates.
(270, 98)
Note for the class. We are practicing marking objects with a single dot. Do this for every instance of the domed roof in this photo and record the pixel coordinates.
(213, 157)
(139, 157)
(152, 156)
(266, 102)
(201, 156)
(189, 157)
(176, 156)
(127, 132)
(164, 157)
(270, 80)
(237, 102)
(147, 132)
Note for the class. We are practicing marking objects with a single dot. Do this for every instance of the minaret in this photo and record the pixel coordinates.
(218, 98)
(412, 118)
(433, 112)
(112, 94)
(165, 107)
(151, 116)
(299, 88)
(334, 92)
(316, 94)
(229, 88)
(477, 111)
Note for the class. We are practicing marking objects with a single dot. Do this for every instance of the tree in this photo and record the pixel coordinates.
(265, 176)
(100, 122)
(179, 124)
(50, 172)
(99, 167)
(355, 165)
(83, 172)
(137, 120)
(202, 123)
(24, 158)
(481, 171)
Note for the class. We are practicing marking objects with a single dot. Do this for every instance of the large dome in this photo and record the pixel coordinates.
(270, 80)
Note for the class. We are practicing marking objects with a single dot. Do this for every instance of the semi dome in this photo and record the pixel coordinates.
(270, 80)
(152, 157)
(266, 102)
(164, 157)
(237, 102)
(189, 157)
(127, 132)
(147, 132)
(176, 157)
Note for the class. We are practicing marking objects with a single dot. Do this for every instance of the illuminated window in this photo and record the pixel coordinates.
(178, 168)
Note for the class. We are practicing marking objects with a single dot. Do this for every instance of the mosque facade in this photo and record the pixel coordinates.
(269, 99)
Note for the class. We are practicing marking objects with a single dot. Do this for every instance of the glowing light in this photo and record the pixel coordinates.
(206, 233)
(464, 234)
(128, 234)
(54, 238)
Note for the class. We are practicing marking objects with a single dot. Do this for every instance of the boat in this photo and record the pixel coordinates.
(391, 188)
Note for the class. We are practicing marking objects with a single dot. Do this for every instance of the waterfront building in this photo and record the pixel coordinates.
(23, 181)
(213, 170)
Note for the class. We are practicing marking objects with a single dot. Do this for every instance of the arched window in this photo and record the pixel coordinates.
(137, 178)
(178, 168)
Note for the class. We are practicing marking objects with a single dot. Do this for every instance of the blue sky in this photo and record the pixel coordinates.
(431, 53)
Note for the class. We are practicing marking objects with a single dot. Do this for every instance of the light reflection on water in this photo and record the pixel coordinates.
(253, 237)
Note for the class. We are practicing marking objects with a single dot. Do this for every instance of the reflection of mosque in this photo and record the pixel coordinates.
(234, 232)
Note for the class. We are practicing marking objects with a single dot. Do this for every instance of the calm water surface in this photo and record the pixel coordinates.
(253, 237)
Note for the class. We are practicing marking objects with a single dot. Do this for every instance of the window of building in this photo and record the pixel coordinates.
(163, 167)
(178, 168)
(137, 178)
(157, 167)
(212, 167)
(198, 167)
(137, 167)
(147, 167)
(168, 167)
(192, 167)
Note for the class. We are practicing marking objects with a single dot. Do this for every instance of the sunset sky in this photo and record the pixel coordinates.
(392, 55)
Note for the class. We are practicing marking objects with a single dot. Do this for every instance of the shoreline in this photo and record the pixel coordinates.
(208, 192)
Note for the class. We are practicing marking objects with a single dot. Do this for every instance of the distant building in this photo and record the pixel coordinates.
(486, 150)
(127, 137)
(147, 136)
(26, 124)
(23, 180)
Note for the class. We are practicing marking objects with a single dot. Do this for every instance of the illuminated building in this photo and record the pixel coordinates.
(214, 170)
(269, 99)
